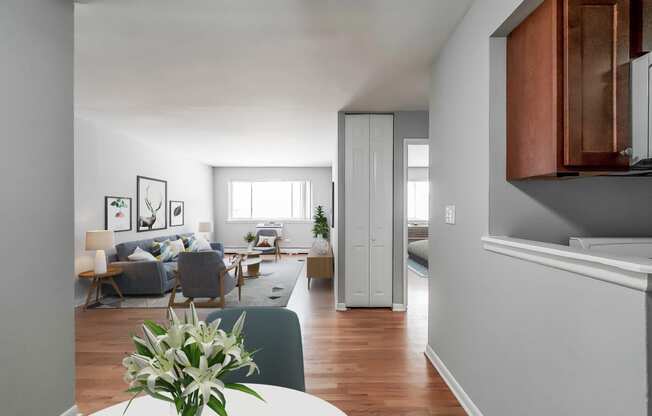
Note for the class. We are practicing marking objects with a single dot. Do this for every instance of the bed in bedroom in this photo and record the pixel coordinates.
(418, 251)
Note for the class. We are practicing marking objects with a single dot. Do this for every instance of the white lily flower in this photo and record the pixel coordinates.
(230, 346)
(163, 369)
(158, 368)
(152, 342)
(239, 324)
(207, 337)
(205, 380)
(181, 358)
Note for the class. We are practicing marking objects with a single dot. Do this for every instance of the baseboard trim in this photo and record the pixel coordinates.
(340, 307)
(398, 307)
(464, 399)
(73, 411)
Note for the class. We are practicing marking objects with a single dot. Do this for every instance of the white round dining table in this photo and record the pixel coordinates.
(278, 401)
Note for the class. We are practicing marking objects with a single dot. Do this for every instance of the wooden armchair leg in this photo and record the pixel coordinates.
(172, 295)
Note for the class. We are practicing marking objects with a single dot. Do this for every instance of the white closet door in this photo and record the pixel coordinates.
(357, 209)
(381, 212)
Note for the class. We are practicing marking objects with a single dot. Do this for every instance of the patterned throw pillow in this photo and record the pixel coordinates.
(266, 241)
(199, 244)
(187, 241)
(155, 248)
(167, 250)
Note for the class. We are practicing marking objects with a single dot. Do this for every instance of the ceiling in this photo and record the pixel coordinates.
(252, 82)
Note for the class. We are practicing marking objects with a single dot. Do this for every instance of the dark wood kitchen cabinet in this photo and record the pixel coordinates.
(568, 88)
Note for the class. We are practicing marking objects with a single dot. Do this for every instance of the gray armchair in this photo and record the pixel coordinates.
(275, 249)
(276, 334)
(204, 275)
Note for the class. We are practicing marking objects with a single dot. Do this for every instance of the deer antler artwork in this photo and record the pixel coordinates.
(148, 222)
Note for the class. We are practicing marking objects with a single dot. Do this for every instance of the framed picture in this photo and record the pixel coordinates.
(117, 213)
(152, 200)
(177, 213)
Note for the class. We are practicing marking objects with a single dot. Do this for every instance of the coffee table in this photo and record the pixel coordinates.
(97, 280)
(251, 259)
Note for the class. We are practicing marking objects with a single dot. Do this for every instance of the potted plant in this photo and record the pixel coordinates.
(184, 363)
(249, 238)
(320, 230)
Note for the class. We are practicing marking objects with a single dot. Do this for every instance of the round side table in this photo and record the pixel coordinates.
(97, 280)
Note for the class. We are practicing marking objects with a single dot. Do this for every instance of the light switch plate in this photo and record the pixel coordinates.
(449, 216)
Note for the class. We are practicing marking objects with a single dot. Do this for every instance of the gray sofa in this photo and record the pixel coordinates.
(147, 277)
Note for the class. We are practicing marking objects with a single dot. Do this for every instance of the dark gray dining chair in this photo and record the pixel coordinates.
(275, 249)
(276, 333)
(204, 275)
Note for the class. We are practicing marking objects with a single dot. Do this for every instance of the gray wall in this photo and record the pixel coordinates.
(36, 251)
(407, 125)
(296, 234)
(521, 338)
(97, 148)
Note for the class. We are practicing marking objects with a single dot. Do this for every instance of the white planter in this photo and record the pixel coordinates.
(320, 245)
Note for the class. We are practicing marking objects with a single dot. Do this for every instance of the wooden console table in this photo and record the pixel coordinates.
(319, 266)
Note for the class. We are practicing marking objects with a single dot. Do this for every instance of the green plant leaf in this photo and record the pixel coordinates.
(189, 411)
(129, 403)
(244, 389)
(217, 407)
(154, 327)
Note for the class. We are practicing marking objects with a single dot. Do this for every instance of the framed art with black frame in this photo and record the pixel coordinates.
(117, 213)
(152, 200)
(177, 213)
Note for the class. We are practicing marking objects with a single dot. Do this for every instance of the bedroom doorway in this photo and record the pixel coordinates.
(416, 191)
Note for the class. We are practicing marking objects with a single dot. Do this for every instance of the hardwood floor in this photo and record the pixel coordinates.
(366, 362)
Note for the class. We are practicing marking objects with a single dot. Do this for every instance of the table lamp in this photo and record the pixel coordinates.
(205, 227)
(99, 241)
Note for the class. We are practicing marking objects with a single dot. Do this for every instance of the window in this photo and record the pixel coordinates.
(417, 200)
(270, 200)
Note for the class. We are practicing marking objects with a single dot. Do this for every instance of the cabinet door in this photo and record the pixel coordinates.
(357, 209)
(380, 214)
(596, 83)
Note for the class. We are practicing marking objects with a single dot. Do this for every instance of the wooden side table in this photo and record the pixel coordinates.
(97, 280)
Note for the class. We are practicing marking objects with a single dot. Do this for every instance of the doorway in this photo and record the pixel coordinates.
(416, 191)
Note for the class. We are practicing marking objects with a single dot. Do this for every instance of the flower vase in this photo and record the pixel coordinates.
(250, 247)
(320, 245)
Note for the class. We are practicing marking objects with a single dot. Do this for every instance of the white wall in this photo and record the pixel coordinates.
(520, 338)
(296, 234)
(36, 179)
(107, 163)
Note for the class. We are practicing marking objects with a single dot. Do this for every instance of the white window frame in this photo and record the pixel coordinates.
(413, 219)
(308, 204)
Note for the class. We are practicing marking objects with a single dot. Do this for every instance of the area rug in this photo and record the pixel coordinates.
(418, 269)
(272, 288)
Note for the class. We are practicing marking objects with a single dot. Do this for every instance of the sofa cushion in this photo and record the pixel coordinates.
(123, 250)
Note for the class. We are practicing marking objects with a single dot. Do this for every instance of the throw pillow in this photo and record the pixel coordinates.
(266, 241)
(176, 247)
(164, 250)
(155, 249)
(187, 241)
(199, 244)
(141, 255)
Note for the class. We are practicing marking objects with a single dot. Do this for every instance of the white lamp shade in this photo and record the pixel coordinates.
(205, 227)
(99, 240)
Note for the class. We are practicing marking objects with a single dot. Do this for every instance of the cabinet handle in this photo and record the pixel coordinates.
(629, 152)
